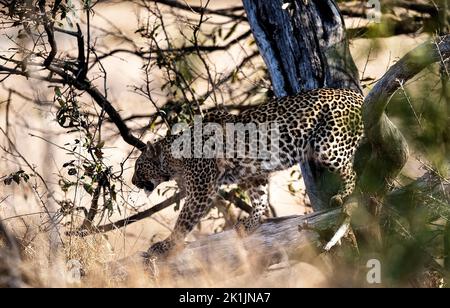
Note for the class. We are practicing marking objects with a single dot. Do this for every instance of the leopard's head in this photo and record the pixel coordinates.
(150, 169)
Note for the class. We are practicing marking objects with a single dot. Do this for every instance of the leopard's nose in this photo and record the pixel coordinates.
(134, 180)
(149, 186)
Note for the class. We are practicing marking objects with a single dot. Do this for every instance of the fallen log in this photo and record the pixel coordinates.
(277, 240)
(292, 238)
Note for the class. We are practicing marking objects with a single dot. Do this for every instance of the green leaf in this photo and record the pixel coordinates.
(101, 144)
(234, 76)
(88, 188)
(16, 178)
(70, 163)
(109, 206)
(177, 206)
(72, 171)
(113, 193)
(98, 153)
(58, 92)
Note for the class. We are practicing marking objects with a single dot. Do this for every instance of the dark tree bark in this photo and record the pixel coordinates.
(304, 47)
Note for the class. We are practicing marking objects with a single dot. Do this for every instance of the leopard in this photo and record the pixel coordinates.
(323, 124)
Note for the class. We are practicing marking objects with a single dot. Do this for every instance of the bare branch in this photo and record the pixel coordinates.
(82, 69)
(98, 97)
(129, 220)
(88, 229)
(197, 9)
(392, 26)
(389, 149)
(13, 71)
(410, 65)
(48, 26)
(185, 50)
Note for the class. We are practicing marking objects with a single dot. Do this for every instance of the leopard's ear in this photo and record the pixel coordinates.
(153, 150)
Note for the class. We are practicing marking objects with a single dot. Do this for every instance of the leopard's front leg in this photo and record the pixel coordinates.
(201, 185)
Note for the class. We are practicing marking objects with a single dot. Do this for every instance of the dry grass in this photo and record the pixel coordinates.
(102, 267)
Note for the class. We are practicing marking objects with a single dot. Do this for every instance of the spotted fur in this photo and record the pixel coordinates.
(324, 124)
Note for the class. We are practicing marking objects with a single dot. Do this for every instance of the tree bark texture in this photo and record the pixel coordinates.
(304, 47)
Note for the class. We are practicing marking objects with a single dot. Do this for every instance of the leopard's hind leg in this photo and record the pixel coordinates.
(257, 189)
(348, 177)
(336, 152)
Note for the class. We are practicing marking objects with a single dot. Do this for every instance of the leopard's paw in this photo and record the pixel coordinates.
(247, 226)
(336, 201)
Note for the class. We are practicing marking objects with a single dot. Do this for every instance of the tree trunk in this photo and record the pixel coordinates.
(304, 47)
